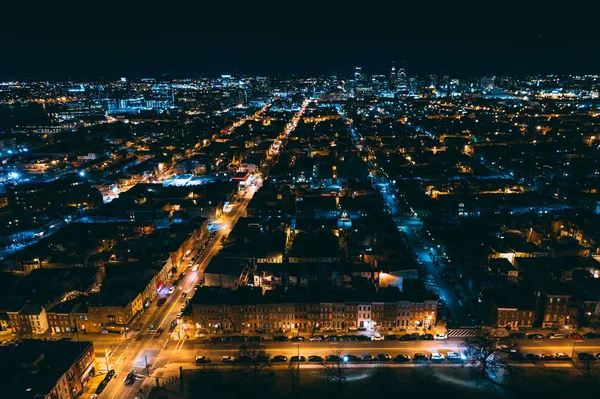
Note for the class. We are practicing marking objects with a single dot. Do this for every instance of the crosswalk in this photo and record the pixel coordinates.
(463, 332)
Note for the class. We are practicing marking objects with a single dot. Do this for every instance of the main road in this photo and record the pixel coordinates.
(183, 354)
(145, 350)
(410, 225)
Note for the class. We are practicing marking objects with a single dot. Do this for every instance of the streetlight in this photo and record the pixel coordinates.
(573, 351)
(107, 360)
(298, 362)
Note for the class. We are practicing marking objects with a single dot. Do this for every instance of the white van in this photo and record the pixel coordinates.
(556, 336)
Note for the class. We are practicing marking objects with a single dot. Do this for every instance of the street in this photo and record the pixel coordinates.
(146, 349)
(411, 225)
(141, 352)
(182, 354)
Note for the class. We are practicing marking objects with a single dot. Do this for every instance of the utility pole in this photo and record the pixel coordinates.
(298, 363)
(107, 360)
(77, 332)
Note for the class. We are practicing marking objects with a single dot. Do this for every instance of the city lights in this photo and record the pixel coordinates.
(356, 224)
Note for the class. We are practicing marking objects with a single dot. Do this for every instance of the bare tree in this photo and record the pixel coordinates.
(254, 359)
(226, 316)
(313, 315)
(293, 372)
(424, 380)
(205, 380)
(384, 380)
(334, 371)
(586, 365)
(483, 353)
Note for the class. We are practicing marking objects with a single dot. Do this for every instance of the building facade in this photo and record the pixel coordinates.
(309, 317)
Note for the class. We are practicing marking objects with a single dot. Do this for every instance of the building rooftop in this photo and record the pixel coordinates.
(32, 368)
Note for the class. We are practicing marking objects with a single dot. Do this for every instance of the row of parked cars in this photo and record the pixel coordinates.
(347, 358)
(105, 382)
(330, 338)
(519, 357)
(538, 337)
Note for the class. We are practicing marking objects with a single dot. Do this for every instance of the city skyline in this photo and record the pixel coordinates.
(256, 217)
(184, 57)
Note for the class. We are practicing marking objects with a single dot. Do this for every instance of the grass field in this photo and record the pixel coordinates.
(383, 381)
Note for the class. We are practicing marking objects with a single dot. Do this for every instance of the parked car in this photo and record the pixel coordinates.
(315, 359)
(402, 358)
(407, 337)
(171, 289)
(382, 357)
(367, 358)
(516, 356)
(215, 340)
(130, 378)
(297, 359)
(574, 336)
(562, 356)
(426, 337)
(101, 387)
(279, 359)
(555, 336)
(535, 337)
(333, 359)
(418, 357)
(517, 336)
(531, 357)
(281, 338)
(391, 337)
(256, 338)
(454, 357)
(297, 338)
(547, 356)
(585, 356)
(440, 336)
(202, 360)
(316, 338)
(331, 338)
(350, 358)
(437, 357)
(377, 337)
(244, 360)
(109, 375)
(591, 335)
(227, 359)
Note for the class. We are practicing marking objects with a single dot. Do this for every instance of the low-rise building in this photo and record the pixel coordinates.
(45, 369)
(30, 319)
(218, 309)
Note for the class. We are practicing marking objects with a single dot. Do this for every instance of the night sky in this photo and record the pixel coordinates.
(153, 47)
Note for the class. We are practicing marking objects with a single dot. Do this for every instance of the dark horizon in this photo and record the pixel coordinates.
(212, 56)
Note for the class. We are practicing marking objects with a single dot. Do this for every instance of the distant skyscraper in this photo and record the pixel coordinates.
(226, 81)
(359, 82)
(487, 83)
(393, 77)
(402, 81)
(162, 95)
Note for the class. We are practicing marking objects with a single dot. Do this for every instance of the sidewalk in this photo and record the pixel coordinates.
(307, 335)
